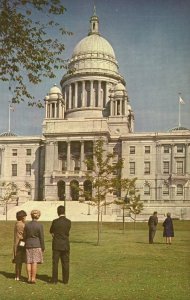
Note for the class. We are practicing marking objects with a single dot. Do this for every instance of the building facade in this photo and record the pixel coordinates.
(93, 103)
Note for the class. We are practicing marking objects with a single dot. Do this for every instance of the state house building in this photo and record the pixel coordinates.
(92, 103)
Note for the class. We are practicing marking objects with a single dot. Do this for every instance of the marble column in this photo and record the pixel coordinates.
(69, 96)
(76, 94)
(99, 93)
(83, 93)
(91, 94)
(82, 156)
(68, 155)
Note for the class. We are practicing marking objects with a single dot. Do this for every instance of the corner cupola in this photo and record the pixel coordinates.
(54, 103)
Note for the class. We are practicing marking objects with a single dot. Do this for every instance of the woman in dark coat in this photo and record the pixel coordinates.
(34, 241)
(168, 232)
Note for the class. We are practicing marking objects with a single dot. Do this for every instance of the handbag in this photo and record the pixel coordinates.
(21, 243)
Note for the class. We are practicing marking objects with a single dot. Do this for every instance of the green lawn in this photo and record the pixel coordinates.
(123, 267)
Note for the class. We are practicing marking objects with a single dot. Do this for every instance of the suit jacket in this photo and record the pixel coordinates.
(152, 222)
(34, 235)
(60, 231)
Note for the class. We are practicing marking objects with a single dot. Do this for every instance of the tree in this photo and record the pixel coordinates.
(128, 202)
(28, 51)
(135, 206)
(9, 190)
(105, 177)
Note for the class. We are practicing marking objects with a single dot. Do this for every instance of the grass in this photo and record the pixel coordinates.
(123, 267)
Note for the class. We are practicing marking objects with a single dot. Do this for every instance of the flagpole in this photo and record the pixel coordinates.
(9, 130)
(179, 122)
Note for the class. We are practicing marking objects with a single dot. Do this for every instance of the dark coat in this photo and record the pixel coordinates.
(168, 227)
(152, 222)
(60, 231)
(34, 235)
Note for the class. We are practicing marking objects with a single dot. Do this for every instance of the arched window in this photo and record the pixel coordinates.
(88, 190)
(61, 190)
(74, 190)
(179, 189)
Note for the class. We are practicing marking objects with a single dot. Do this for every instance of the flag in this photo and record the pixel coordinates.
(181, 100)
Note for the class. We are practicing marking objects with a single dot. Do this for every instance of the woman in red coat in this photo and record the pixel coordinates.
(168, 232)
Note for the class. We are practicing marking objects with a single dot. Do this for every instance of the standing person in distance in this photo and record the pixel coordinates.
(60, 229)
(168, 232)
(19, 252)
(34, 239)
(152, 224)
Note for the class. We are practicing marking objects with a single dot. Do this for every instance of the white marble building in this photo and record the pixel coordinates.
(92, 103)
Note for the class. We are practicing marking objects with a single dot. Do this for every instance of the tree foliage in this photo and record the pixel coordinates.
(28, 51)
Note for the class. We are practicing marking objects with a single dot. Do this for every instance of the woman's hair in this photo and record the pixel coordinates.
(20, 215)
(35, 214)
(168, 215)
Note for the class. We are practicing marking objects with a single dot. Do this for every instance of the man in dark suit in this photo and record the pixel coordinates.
(60, 245)
(152, 223)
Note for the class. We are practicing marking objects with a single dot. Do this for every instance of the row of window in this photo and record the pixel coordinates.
(15, 171)
(166, 149)
(15, 152)
(166, 167)
(165, 190)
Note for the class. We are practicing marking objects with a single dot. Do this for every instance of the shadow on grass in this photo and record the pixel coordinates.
(42, 277)
(7, 274)
(155, 243)
(82, 242)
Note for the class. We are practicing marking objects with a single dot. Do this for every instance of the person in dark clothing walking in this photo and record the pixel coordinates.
(152, 223)
(168, 232)
(60, 229)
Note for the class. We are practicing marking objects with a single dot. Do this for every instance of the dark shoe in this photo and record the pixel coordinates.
(53, 282)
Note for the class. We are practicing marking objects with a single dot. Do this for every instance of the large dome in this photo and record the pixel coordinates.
(93, 44)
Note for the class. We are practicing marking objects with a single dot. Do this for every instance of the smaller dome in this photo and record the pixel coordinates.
(119, 86)
(7, 134)
(120, 90)
(55, 90)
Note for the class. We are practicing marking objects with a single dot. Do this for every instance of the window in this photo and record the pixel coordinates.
(28, 169)
(14, 169)
(77, 164)
(147, 167)
(179, 148)
(166, 166)
(132, 168)
(179, 167)
(147, 149)
(132, 149)
(115, 169)
(146, 189)
(28, 151)
(165, 189)
(166, 149)
(14, 152)
(179, 189)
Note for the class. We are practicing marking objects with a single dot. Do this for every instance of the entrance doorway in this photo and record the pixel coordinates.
(61, 190)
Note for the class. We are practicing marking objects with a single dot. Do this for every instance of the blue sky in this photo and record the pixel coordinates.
(151, 40)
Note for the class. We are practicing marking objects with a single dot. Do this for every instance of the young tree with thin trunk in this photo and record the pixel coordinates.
(9, 190)
(105, 177)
